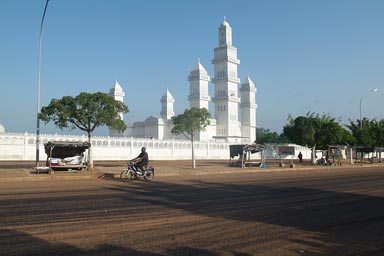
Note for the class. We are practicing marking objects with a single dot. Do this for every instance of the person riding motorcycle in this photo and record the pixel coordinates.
(141, 160)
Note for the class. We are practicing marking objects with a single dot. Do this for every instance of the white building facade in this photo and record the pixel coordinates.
(233, 117)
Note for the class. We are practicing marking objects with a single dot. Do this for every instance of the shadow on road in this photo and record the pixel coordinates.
(353, 223)
(350, 221)
(18, 244)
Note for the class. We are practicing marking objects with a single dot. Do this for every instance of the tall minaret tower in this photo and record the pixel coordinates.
(118, 94)
(167, 106)
(226, 82)
(198, 87)
(248, 110)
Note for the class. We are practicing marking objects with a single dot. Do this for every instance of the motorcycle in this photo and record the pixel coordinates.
(132, 172)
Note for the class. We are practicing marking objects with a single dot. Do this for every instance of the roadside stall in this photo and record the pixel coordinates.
(373, 154)
(286, 152)
(362, 151)
(243, 152)
(63, 155)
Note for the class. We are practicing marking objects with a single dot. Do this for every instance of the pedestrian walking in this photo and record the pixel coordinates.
(300, 156)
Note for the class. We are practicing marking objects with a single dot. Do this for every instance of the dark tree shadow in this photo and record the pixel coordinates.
(334, 214)
(340, 218)
(14, 243)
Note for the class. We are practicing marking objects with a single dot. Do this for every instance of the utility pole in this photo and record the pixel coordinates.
(38, 90)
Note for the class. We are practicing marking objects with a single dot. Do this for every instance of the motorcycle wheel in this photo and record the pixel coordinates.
(149, 175)
(126, 175)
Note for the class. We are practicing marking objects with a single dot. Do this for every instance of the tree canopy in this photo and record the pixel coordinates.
(264, 136)
(189, 123)
(323, 130)
(368, 132)
(86, 112)
(315, 130)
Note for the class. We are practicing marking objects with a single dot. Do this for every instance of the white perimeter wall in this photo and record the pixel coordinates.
(21, 146)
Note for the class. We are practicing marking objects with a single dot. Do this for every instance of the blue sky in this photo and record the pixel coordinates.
(303, 55)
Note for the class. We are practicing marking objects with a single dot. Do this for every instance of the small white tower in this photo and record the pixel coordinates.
(226, 100)
(198, 87)
(248, 109)
(167, 106)
(118, 94)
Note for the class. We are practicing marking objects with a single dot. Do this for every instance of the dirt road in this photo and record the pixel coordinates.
(306, 212)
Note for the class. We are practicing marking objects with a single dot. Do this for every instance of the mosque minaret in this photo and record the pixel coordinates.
(234, 118)
(167, 106)
(198, 87)
(117, 92)
(226, 100)
(248, 109)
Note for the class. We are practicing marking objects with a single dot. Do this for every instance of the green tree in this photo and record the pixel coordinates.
(264, 136)
(378, 133)
(189, 123)
(318, 131)
(367, 132)
(301, 130)
(332, 133)
(315, 130)
(85, 112)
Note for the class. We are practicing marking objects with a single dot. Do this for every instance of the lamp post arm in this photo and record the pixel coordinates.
(39, 64)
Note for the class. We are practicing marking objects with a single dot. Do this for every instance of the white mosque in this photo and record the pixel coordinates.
(234, 108)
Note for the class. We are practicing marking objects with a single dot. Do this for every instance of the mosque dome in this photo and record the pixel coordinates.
(2, 129)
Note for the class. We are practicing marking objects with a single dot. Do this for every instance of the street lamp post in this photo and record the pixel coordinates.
(361, 100)
(38, 89)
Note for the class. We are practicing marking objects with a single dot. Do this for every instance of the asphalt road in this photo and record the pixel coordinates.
(304, 212)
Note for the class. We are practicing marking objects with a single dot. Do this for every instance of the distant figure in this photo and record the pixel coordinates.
(300, 156)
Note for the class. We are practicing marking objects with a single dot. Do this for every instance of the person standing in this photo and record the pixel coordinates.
(300, 156)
